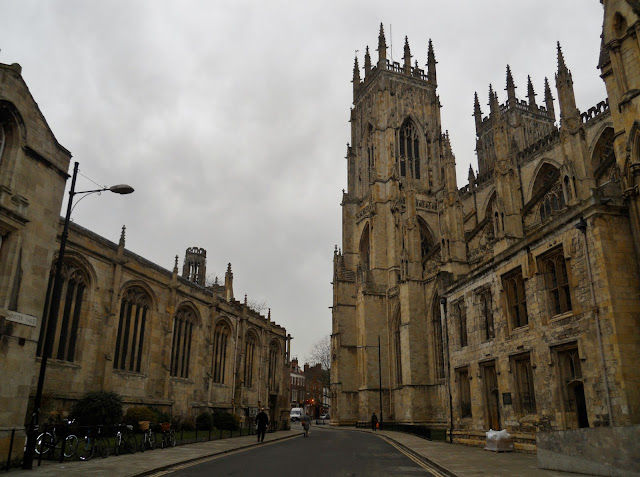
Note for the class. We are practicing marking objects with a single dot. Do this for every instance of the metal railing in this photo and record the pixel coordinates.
(429, 433)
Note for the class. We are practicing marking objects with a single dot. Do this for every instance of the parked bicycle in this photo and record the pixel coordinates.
(52, 443)
(168, 435)
(125, 440)
(148, 436)
(94, 443)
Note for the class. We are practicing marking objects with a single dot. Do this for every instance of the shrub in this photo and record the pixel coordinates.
(204, 421)
(98, 408)
(188, 424)
(136, 414)
(225, 420)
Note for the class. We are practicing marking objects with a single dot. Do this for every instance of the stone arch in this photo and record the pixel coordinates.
(409, 149)
(489, 204)
(539, 175)
(364, 248)
(427, 240)
(13, 135)
(222, 347)
(132, 338)
(251, 346)
(144, 286)
(193, 309)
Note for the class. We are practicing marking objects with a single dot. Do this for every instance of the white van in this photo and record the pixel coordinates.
(295, 414)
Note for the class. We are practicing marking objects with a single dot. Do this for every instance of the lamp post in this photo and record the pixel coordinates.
(53, 312)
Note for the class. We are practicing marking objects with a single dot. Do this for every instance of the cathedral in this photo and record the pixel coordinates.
(512, 302)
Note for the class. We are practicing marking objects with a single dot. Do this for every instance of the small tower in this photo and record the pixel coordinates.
(569, 114)
(407, 56)
(228, 283)
(195, 265)
(548, 100)
(531, 95)
(382, 49)
(431, 64)
(356, 77)
(477, 112)
(511, 88)
(367, 63)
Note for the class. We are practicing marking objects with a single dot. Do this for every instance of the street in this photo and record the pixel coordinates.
(325, 452)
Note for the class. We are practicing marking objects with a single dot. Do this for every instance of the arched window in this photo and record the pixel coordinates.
(2, 141)
(460, 314)
(397, 345)
(409, 150)
(273, 364)
(438, 348)
(74, 285)
(134, 308)
(220, 344)
(513, 284)
(365, 249)
(487, 314)
(556, 281)
(426, 239)
(249, 359)
(181, 348)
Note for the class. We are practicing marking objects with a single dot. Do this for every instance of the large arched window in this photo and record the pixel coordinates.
(438, 348)
(74, 285)
(274, 351)
(134, 309)
(365, 249)
(486, 311)
(181, 348)
(220, 351)
(409, 155)
(556, 278)
(370, 155)
(249, 359)
(426, 239)
(460, 314)
(397, 345)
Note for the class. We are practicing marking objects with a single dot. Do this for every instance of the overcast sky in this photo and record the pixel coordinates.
(230, 119)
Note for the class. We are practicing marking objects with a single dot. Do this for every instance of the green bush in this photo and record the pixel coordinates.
(225, 420)
(204, 421)
(188, 424)
(97, 408)
(136, 414)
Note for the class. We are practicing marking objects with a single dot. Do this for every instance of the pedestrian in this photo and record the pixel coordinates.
(306, 423)
(374, 422)
(262, 421)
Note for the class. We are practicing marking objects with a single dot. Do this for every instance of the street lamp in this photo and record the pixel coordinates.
(379, 375)
(53, 312)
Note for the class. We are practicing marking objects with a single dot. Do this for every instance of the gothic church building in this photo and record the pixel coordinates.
(514, 301)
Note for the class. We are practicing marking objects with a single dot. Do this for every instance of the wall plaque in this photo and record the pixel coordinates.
(506, 398)
(21, 318)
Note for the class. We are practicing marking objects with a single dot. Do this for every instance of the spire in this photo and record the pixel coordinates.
(471, 176)
(122, 234)
(175, 265)
(228, 283)
(531, 94)
(367, 63)
(569, 113)
(382, 49)
(548, 99)
(494, 106)
(356, 76)
(407, 56)
(511, 88)
(477, 112)
(431, 64)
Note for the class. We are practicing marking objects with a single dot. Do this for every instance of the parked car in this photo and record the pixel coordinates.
(325, 416)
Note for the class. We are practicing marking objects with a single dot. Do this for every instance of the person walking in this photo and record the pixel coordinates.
(306, 423)
(374, 422)
(262, 421)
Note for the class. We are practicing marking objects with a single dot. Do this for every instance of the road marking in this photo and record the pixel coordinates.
(217, 456)
(421, 463)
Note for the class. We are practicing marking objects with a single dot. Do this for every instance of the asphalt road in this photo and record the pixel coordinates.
(324, 452)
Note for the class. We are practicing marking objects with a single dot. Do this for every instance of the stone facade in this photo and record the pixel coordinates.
(33, 172)
(514, 301)
(125, 324)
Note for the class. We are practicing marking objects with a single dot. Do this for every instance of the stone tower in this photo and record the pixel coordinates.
(401, 199)
(195, 265)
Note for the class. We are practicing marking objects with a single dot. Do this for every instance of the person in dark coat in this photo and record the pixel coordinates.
(262, 421)
(374, 422)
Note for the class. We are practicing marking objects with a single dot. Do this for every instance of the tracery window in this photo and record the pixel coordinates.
(513, 284)
(552, 202)
(134, 308)
(438, 351)
(409, 153)
(181, 347)
(221, 335)
(273, 365)
(525, 393)
(460, 314)
(556, 279)
(249, 359)
(464, 392)
(74, 284)
(486, 312)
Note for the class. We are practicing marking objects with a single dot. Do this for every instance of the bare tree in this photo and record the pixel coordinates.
(321, 354)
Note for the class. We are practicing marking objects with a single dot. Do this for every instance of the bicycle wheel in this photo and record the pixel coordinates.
(44, 442)
(172, 438)
(71, 445)
(130, 443)
(86, 448)
(152, 440)
(103, 447)
(143, 441)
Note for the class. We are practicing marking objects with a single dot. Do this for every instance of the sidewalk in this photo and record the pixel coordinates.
(139, 464)
(454, 460)
(465, 461)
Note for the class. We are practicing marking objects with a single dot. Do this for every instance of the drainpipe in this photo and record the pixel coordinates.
(582, 227)
(443, 313)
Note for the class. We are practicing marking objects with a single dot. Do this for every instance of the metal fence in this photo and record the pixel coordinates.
(183, 436)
